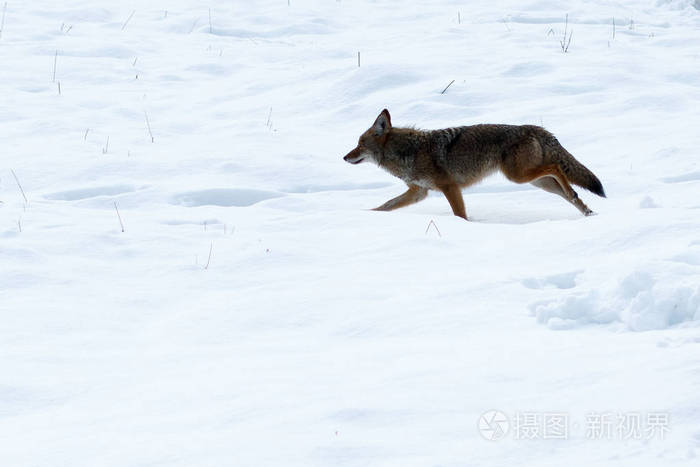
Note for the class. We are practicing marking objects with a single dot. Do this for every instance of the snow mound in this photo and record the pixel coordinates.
(640, 302)
(679, 4)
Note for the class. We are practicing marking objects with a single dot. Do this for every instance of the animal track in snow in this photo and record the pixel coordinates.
(223, 197)
(690, 257)
(528, 69)
(89, 192)
(687, 177)
(565, 280)
(311, 188)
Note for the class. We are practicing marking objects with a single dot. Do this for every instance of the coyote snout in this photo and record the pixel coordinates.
(355, 156)
(450, 159)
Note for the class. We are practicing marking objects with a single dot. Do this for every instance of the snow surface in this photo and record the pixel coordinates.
(254, 312)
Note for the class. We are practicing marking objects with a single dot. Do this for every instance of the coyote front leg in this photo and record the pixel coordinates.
(414, 194)
(454, 195)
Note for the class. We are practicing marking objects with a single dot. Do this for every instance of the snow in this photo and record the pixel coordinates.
(639, 301)
(254, 311)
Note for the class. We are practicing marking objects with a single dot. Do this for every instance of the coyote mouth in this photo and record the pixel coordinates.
(355, 160)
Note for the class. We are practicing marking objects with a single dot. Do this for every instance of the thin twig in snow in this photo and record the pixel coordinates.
(211, 246)
(128, 19)
(55, 59)
(566, 49)
(358, 59)
(2, 23)
(119, 216)
(26, 201)
(443, 91)
(193, 25)
(432, 222)
(563, 42)
(106, 148)
(86, 133)
(148, 124)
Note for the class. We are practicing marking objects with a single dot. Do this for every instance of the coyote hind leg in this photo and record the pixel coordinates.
(550, 184)
(540, 176)
(414, 194)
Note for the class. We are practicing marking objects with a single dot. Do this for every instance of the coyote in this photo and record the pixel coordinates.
(453, 158)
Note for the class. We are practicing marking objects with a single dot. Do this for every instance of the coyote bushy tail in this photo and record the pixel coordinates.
(579, 174)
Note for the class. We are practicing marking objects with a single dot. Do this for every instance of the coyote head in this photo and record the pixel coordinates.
(370, 145)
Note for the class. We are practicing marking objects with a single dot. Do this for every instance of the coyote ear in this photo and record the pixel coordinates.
(382, 123)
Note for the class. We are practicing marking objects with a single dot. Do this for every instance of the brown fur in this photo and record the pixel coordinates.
(450, 159)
